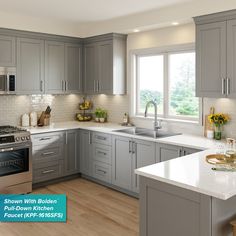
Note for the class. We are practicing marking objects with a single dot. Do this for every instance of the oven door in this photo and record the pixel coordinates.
(15, 164)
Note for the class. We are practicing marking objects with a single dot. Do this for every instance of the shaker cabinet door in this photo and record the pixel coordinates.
(211, 60)
(54, 67)
(73, 68)
(7, 51)
(30, 66)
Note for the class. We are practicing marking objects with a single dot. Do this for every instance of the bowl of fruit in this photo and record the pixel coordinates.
(84, 117)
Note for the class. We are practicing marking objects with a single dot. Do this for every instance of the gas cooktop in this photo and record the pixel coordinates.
(12, 134)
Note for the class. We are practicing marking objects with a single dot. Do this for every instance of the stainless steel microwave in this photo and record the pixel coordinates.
(7, 80)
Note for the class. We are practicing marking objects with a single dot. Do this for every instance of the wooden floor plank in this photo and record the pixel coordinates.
(92, 210)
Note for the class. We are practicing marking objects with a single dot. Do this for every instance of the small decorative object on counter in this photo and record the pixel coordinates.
(100, 115)
(218, 120)
(44, 119)
(208, 126)
(25, 120)
(33, 119)
(125, 119)
(84, 107)
(210, 134)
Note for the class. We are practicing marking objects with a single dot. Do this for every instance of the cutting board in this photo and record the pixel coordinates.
(207, 124)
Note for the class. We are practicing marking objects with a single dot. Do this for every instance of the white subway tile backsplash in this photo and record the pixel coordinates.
(64, 107)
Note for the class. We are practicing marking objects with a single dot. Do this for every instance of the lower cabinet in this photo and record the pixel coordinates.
(85, 141)
(128, 155)
(55, 155)
(71, 158)
(165, 152)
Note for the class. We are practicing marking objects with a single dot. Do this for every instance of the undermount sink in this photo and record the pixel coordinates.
(146, 132)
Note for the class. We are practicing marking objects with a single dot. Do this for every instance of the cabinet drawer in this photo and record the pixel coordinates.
(101, 138)
(102, 171)
(49, 139)
(49, 154)
(47, 171)
(102, 153)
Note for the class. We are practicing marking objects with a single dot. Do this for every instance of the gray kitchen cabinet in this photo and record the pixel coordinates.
(30, 66)
(85, 140)
(166, 152)
(122, 162)
(73, 68)
(71, 160)
(144, 155)
(48, 156)
(128, 155)
(101, 156)
(215, 55)
(7, 51)
(54, 67)
(105, 64)
(90, 69)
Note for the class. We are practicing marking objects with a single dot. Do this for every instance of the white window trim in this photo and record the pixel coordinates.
(133, 86)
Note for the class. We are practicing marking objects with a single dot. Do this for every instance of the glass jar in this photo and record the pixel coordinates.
(218, 132)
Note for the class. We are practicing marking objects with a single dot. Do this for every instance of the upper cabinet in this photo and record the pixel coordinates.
(216, 55)
(73, 68)
(105, 64)
(30, 66)
(55, 82)
(7, 51)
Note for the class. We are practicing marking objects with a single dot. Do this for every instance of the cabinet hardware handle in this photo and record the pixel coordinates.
(6, 149)
(130, 148)
(184, 152)
(98, 85)
(90, 138)
(7, 87)
(43, 139)
(223, 86)
(94, 85)
(47, 171)
(100, 137)
(41, 85)
(227, 86)
(62, 85)
(180, 151)
(133, 147)
(65, 85)
(102, 153)
(104, 172)
(47, 153)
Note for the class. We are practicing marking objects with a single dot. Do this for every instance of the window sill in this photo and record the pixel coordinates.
(168, 120)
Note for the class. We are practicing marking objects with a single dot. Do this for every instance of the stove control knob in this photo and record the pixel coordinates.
(23, 138)
(17, 139)
(28, 138)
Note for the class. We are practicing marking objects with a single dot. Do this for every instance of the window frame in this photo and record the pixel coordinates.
(165, 51)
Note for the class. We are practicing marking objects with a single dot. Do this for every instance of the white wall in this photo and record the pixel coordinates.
(173, 36)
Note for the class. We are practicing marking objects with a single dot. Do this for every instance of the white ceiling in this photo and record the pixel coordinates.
(82, 10)
(84, 18)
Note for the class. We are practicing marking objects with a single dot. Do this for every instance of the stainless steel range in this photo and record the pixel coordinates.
(15, 160)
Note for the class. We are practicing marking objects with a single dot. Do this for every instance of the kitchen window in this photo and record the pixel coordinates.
(168, 78)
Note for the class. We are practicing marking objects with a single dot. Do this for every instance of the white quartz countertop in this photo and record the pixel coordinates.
(191, 141)
(194, 173)
(190, 172)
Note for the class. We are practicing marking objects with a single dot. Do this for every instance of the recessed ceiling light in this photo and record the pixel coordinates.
(136, 30)
(175, 23)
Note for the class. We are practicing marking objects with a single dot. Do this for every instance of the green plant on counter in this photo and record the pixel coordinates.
(98, 112)
(103, 114)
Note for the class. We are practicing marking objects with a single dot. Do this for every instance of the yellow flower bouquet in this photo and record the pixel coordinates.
(218, 120)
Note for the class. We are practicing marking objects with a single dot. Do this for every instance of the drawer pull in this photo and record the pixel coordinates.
(48, 171)
(43, 139)
(102, 153)
(104, 172)
(47, 153)
(100, 137)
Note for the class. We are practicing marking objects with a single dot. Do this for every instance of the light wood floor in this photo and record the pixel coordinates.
(92, 210)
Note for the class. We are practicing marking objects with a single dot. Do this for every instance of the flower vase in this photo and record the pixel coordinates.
(218, 132)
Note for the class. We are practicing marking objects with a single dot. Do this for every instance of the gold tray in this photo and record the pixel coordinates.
(219, 159)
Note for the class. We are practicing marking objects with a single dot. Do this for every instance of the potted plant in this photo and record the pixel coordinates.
(97, 114)
(103, 116)
(218, 120)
